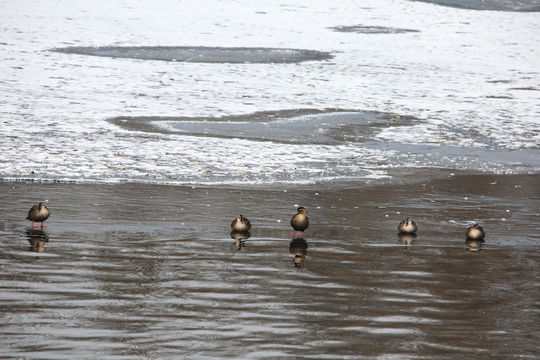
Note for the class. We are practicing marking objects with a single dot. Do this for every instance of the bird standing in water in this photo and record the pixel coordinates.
(300, 221)
(475, 232)
(407, 226)
(38, 213)
(241, 224)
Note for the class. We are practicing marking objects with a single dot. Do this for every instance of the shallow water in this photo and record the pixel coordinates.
(151, 271)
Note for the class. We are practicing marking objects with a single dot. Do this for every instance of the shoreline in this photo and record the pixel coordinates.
(385, 176)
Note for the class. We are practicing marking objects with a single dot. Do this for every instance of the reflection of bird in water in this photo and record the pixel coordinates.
(38, 213)
(300, 221)
(474, 245)
(240, 237)
(407, 226)
(37, 245)
(406, 239)
(241, 224)
(475, 232)
(298, 247)
(37, 240)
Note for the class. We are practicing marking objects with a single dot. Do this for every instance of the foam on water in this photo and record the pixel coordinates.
(470, 77)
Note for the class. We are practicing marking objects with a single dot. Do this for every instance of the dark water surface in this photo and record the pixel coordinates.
(497, 5)
(299, 126)
(145, 271)
(200, 54)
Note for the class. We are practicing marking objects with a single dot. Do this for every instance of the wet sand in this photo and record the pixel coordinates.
(137, 270)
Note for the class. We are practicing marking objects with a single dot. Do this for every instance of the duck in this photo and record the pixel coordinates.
(407, 226)
(38, 213)
(240, 224)
(475, 232)
(300, 221)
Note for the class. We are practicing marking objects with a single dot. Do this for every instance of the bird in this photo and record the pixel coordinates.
(241, 224)
(300, 221)
(38, 213)
(475, 232)
(407, 226)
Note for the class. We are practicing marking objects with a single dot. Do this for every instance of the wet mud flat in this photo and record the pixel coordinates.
(151, 270)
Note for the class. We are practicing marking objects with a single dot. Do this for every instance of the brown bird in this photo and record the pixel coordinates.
(241, 224)
(38, 213)
(300, 221)
(475, 232)
(407, 226)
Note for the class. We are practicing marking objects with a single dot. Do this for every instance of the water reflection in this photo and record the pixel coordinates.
(298, 247)
(406, 239)
(240, 237)
(37, 239)
(474, 245)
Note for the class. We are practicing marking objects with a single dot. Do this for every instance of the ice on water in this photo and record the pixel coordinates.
(470, 77)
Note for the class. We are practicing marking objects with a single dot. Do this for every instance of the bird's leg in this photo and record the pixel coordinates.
(42, 226)
(33, 226)
(293, 233)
